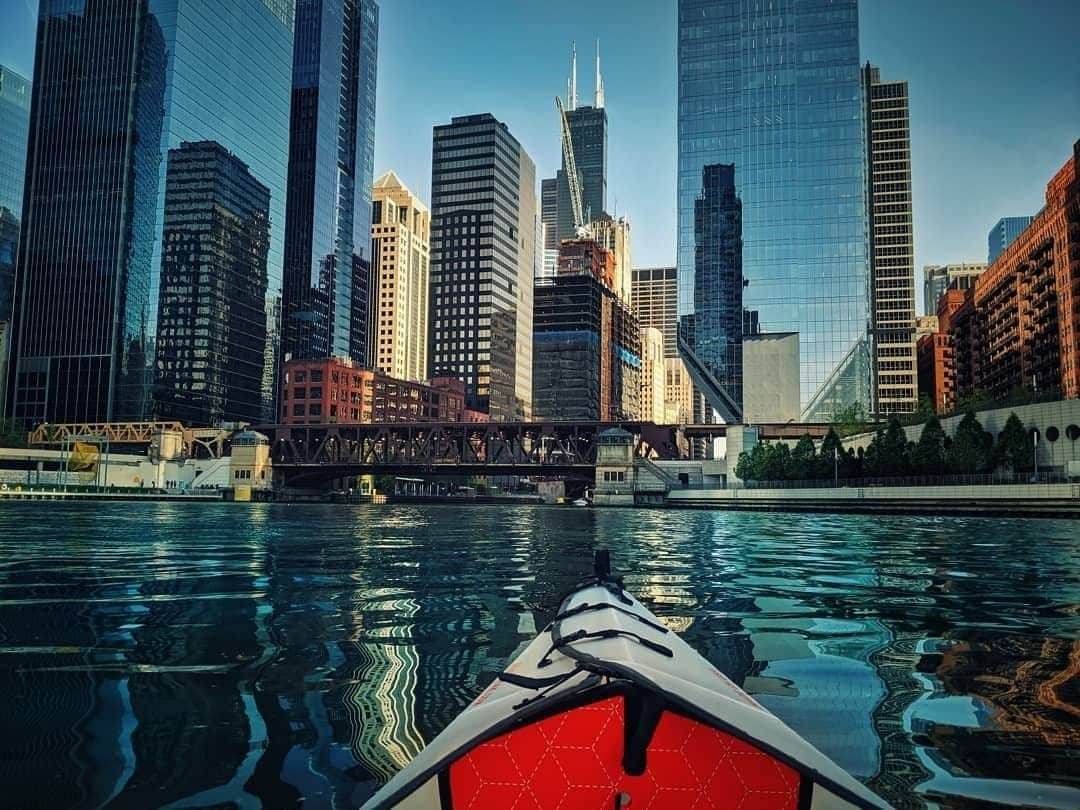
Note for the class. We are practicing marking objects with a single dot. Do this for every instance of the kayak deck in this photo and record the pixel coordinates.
(574, 759)
(608, 708)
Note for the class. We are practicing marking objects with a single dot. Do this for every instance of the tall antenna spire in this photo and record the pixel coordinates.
(571, 99)
(599, 80)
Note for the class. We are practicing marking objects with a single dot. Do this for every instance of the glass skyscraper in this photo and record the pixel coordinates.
(483, 230)
(331, 160)
(774, 88)
(176, 71)
(588, 134)
(1003, 234)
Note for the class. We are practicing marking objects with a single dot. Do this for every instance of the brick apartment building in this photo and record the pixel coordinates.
(334, 390)
(1019, 325)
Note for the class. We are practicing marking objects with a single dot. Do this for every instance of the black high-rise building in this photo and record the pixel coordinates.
(326, 296)
(212, 320)
(79, 333)
(483, 233)
(717, 322)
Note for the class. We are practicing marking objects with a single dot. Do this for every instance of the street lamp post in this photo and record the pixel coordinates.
(1035, 451)
(836, 466)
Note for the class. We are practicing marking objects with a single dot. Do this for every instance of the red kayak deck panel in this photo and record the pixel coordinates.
(574, 759)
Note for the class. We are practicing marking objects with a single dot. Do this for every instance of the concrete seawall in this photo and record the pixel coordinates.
(1037, 500)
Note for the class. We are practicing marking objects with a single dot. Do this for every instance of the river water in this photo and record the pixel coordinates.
(192, 655)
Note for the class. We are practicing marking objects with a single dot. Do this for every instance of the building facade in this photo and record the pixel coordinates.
(892, 244)
(14, 127)
(549, 225)
(586, 351)
(589, 137)
(749, 80)
(400, 252)
(651, 379)
(614, 236)
(78, 337)
(1019, 326)
(336, 390)
(1003, 234)
(937, 278)
(211, 317)
(771, 394)
(86, 303)
(678, 392)
(327, 297)
(655, 297)
(714, 329)
(483, 215)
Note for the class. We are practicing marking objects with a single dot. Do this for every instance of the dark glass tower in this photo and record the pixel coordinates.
(117, 85)
(331, 159)
(79, 329)
(774, 88)
(716, 335)
(14, 124)
(211, 317)
(588, 134)
(483, 230)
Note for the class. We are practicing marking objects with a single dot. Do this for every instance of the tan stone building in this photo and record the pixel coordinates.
(678, 393)
(651, 408)
(400, 252)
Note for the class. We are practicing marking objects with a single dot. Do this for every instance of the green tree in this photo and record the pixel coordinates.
(928, 458)
(1014, 445)
(893, 452)
(777, 462)
(803, 459)
(742, 467)
(850, 419)
(972, 447)
(829, 455)
(873, 457)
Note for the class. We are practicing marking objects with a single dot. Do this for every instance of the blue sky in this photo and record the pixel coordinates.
(995, 97)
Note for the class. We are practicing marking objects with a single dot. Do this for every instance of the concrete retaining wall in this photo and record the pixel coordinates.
(1046, 500)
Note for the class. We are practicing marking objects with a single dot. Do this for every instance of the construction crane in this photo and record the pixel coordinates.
(583, 230)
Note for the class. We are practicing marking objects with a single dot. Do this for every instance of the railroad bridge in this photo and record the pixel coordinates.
(308, 454)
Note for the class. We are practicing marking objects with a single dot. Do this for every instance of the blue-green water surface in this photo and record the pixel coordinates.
(235, 655)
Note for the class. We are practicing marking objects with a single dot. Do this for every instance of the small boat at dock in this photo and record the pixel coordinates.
(608, 708)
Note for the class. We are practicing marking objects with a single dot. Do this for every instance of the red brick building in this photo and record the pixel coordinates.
(334, 390)
(1019, 327)
(936, 353)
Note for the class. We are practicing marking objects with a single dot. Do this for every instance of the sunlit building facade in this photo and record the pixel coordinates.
(655, 296)
(326, 302)
(892, 242)
(483, 233)
(775, 90)
(400, 251)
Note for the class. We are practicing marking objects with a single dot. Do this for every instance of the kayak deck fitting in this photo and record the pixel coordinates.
(607, 708)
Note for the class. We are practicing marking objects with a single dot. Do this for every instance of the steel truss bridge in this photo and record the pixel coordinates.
(316, 453)
(197, 441)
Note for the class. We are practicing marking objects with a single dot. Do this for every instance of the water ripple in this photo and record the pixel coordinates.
(196, 654)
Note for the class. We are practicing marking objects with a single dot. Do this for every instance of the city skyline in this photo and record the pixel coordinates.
(955, 133)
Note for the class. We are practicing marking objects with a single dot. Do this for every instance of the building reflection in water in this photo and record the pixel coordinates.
(381, 701)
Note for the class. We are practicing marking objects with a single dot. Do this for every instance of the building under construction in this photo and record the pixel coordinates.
(586, 349)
